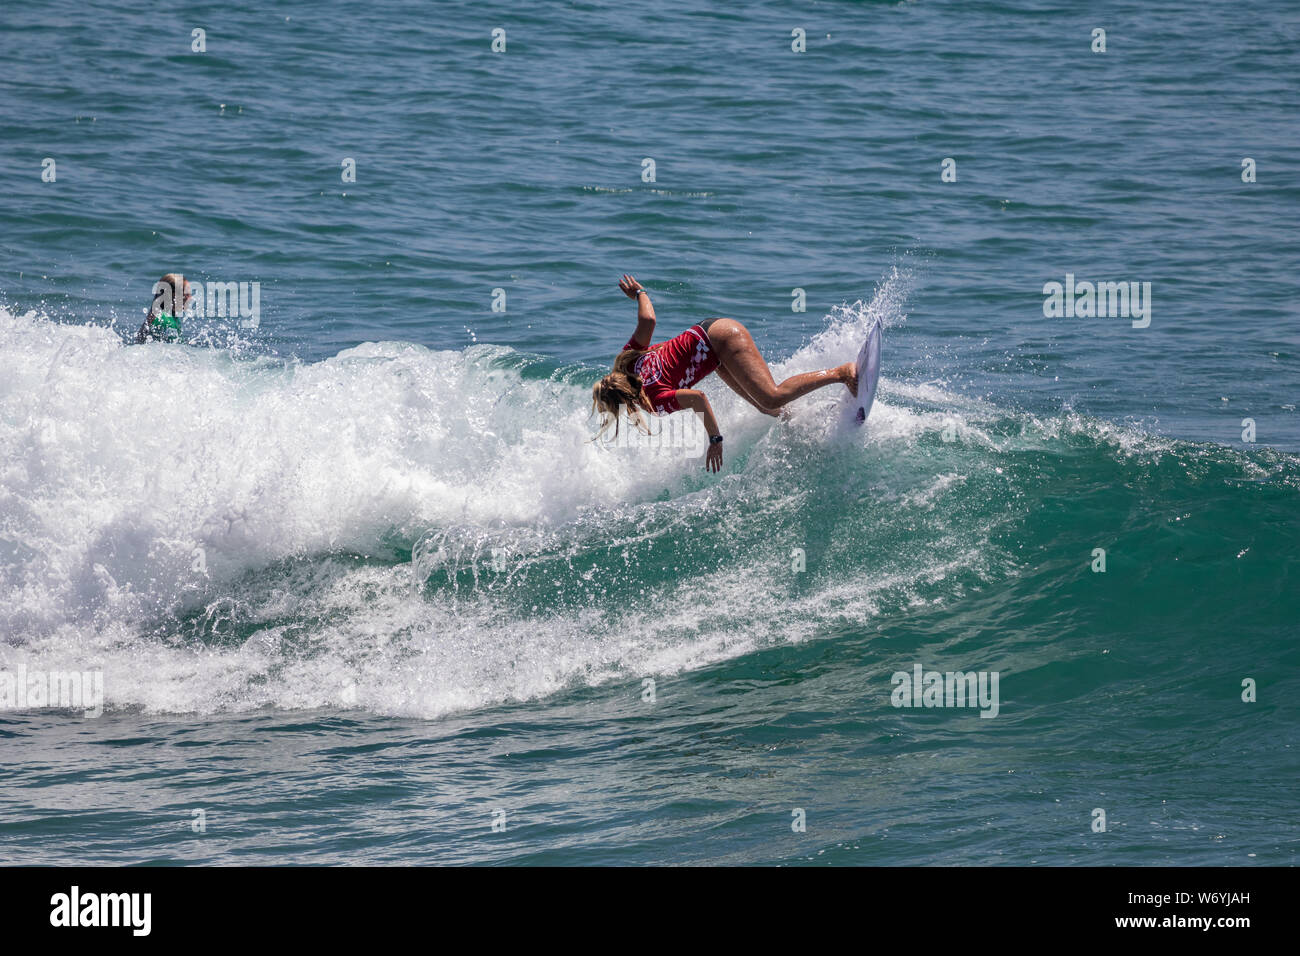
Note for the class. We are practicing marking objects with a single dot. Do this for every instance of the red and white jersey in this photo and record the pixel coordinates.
(677, 363)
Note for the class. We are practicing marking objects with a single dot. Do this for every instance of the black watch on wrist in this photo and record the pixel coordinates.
(715, 439)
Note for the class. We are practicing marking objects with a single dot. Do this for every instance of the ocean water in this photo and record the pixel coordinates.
(358, 586)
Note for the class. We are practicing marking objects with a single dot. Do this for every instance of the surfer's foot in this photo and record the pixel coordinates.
(848, 374)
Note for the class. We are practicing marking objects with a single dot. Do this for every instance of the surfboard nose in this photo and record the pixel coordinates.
(868, 369)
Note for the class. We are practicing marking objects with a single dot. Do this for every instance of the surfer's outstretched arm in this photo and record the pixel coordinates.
(645, 312)
(698, 402)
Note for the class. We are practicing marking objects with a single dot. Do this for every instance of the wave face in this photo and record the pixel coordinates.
(414, 532)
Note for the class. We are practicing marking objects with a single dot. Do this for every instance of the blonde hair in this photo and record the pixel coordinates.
(620, 391)
(168, 295)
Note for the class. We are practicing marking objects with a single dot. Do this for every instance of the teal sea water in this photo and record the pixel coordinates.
(358, 586)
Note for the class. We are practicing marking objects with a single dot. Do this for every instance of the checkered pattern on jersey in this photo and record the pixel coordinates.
(698, 358)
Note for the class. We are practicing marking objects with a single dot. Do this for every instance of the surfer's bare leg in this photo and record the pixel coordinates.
(737, 351)
(735, 387)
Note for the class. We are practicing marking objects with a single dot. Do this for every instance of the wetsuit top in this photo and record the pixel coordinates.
(677, 363)
(164, 326)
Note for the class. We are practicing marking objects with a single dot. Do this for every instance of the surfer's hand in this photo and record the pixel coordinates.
(629, 286)
(713, 458)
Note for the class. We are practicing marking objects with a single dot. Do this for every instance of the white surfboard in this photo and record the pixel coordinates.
(868, 373)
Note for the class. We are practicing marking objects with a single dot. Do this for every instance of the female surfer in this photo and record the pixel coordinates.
(657, 378)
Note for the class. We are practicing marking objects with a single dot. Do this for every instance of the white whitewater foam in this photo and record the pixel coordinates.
(150, 492)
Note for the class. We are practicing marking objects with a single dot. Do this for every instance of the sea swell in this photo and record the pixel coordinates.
(417, 532)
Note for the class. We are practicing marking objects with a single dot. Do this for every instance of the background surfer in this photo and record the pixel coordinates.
(171, 295)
